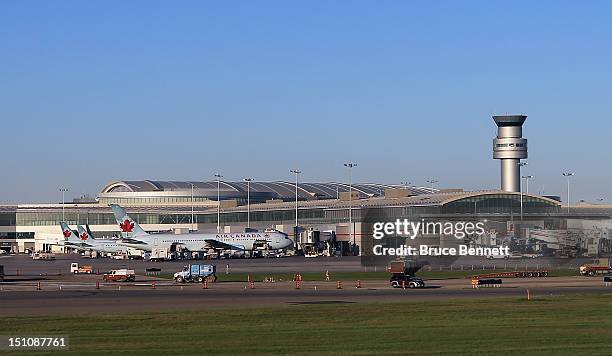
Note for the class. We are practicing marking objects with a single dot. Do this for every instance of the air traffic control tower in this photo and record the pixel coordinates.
(510, 147)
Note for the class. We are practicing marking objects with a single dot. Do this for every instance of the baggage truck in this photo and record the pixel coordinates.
(120, 275)
(597, 266)
(196, 273)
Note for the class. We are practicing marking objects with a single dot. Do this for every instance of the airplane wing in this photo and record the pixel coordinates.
(223, 245)
(79, 244)
(132, 241)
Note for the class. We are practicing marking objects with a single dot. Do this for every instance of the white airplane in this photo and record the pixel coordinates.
(134, 236)
(101, 245)
(84, 241)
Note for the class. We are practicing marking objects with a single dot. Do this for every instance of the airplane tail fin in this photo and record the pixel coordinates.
(88, 230)
(83, 234)
(128, 226)
(67, 232)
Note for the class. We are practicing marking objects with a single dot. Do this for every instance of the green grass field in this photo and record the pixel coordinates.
(547, 325)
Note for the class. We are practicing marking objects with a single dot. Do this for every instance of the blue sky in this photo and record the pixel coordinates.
(97, 91)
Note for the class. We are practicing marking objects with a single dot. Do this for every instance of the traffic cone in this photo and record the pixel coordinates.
(154, 285)
(252, 285)
(205, 284)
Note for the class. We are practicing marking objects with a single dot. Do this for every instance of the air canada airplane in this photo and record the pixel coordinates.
(84, 241)
(134, 236)
(101, 245)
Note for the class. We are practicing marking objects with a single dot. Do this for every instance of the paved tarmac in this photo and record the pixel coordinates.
(57, 297)
(25, 265)
(63, 293)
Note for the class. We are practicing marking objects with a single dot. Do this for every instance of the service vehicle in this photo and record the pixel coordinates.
(596, 267)
(402, 275)
(43, 256)
(401, 280)
(496, 257)
(162, 254)
(120, 275)
(76, 269)
(196, 273)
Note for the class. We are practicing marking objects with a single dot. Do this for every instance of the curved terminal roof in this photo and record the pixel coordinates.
(259, 190)
(436, 199)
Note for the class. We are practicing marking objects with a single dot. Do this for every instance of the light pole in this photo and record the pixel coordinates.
(218, 176)
(297, 173)
(432, 182)
(568, 175)
(63, 190)
(248, 181)
(192, 229)
(521, 164)
(350, 166)
(527, 178)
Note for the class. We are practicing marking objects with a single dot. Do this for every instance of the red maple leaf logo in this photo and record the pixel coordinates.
(84, 236)
(67, 233)
(126, 226)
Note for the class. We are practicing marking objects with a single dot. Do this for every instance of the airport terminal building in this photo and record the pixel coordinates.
(331, 217)
(322, 207)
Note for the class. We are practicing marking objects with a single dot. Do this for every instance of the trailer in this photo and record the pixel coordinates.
(513, 274)
(196, 273)
(598, 266)
(43, 256)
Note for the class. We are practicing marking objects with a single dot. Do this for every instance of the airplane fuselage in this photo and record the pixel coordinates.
(98, 245)
(202, 242)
